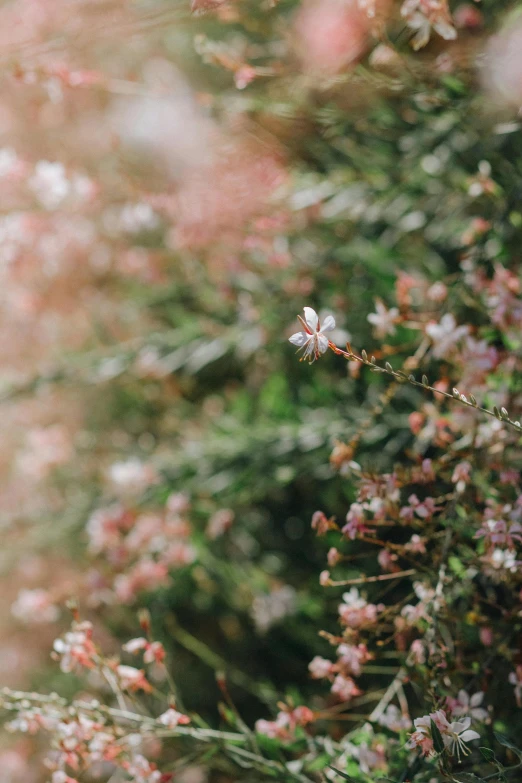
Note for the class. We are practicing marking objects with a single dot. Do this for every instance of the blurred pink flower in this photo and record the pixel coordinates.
(330, 35)
(35, 606)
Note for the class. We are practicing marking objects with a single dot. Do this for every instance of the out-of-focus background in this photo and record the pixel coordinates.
(175, 184)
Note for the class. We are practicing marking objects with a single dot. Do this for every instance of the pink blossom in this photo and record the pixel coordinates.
(423, 15)
(333, 557)
(345, 688)
(465, 704)
(383, 320)
(351, 658)
(387, 560)
(105, 528)
(356, 612)
(278, 729)
(172, 718)
(324, 578)
(437, 292)
(330, 35)
(486, 636)
(468, 16)
(132, 679)
(145, 575)
(418, 652)
(75, 649)
(416, 544)
(154, 652)
(132, 476)
(355, 522)
(394, 720)
(142, 771)
(461, 475)
(445, 335)
(35, 606)
(320, 667)
(455, 735)
(498, 533)
(46, 448)
(515, 678)
(219, 523)
(320, 523)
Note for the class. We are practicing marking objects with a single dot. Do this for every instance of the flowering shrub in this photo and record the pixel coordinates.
(330, 555)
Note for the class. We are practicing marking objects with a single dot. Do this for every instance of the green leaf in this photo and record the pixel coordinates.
(506, 742)
(488, 754)
(438, 743)
(456, 565)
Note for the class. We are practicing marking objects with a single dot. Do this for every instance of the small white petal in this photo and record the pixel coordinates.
(311, 318)
(299, 338)
(476, 699)
(322, 343)
(460, 725)
(328, 324)
(469, 735)
(463, 698)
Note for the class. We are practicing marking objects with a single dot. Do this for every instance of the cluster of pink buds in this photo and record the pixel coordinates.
(355, 611)
(75, 649)
(141, 547)
(350, 657)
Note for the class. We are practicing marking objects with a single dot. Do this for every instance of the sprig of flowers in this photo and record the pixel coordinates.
(314, 343)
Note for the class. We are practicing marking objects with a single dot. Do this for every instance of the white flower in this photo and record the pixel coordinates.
(35, 606)
(353, 599)
(312, 340)
(504, 558)
(445, 334)
(422, 15)
(470, 705)
(457, 734)
(49, 183)
(383, 320)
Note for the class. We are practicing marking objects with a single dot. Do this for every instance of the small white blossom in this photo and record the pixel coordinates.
(35, 606)
(383, 319)
(456, 735)
(312, 340)
(172, 718)
(470, 705)
(424, 15)
(445, 335)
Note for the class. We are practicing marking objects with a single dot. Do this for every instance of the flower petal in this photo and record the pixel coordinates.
(460, 725)
(469, 735)
(328, 324)
(463, 698)
(311, 318)
(299, 338)
(476, 699)
(322, 343)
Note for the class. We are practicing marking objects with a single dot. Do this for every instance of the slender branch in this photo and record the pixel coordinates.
(393, 688)
(361, 580)
(402, 377)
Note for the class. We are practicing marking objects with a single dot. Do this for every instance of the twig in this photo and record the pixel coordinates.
(468, 401)
(361, 580)
(388, 696)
